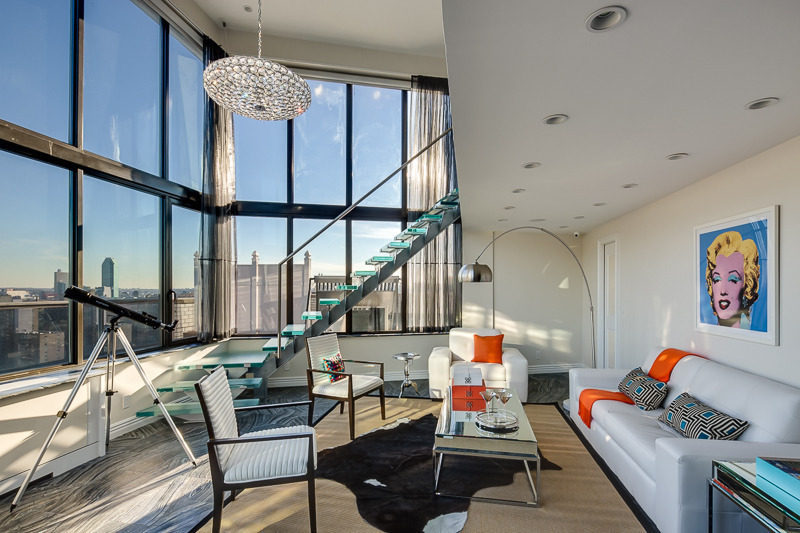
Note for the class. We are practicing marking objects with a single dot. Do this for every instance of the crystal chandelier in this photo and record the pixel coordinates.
(256, 88)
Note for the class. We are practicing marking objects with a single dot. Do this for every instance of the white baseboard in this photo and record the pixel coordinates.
(552, 368)
(56, 466)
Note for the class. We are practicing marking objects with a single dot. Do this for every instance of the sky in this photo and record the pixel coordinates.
(121, 121)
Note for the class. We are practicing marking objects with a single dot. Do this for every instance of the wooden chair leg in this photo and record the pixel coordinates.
(383, 404)
(312, 505)
(217, 523)
(341, 408)
(311, 412)
(351, 412)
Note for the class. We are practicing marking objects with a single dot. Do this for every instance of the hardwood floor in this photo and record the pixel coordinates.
(145, 482)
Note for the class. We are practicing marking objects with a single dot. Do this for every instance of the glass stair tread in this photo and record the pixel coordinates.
(431, 216)
(190, 408)
(382, 259)
(346, 287)
(411, 233)
(241, 383)
(293, 330)
(329, 301)
(399, 244)
(236, 360)
(272, 344)
(363, 273)
(311, 315)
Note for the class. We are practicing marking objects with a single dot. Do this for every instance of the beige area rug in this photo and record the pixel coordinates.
(577, 498)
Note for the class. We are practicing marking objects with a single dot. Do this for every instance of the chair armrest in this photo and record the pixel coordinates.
(331, 372)
(439, 371)
(271, 406)
(683, 468)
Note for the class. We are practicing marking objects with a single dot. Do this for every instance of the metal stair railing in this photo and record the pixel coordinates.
(341, 215)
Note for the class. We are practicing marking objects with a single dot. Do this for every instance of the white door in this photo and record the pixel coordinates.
(607, 312)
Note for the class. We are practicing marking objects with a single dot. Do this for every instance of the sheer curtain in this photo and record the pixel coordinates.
(217, 269)
(434, 294)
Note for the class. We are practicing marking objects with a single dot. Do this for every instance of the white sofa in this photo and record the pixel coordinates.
(666, 473)
(513, 373)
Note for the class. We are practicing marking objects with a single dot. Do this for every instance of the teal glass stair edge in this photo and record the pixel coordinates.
(346, 287)
(272, 344)
(190, 408)
(241, 383)
(399, 244)
(329, 301)
(363, 273)
(293, 330)
(311, 315)
(236, 360)
(431, 216)
(382, 259)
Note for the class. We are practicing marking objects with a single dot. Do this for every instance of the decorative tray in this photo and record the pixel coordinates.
(500, 421)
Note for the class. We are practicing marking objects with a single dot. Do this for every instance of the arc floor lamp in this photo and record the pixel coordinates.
(477, 272)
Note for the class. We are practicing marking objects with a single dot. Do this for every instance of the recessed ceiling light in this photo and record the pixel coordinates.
(630, 185)
(531, 164)
(248, 9)
(509, 207)
(538, 219)
(579, 217)
(598, 204)
(761, 103)
(558, 118)
(502, 220)
(606, 18)
(563, 227)
(517, 191)
(677, 155)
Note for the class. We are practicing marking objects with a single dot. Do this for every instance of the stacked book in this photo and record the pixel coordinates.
(780, 479)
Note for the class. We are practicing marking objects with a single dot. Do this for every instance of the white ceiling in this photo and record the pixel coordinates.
(402, 26)
(674, 77)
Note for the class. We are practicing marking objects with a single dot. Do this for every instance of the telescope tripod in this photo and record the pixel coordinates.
(111, 334)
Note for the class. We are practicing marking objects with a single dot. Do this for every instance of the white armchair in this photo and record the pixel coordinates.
(512, 374)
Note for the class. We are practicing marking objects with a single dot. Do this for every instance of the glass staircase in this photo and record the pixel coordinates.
(392, 256)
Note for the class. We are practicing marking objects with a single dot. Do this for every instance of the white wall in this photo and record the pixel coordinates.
(655, 246)
(538, 296)
(369, 348)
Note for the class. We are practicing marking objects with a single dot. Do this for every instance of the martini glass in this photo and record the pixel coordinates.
(488, 395)
(504, 395)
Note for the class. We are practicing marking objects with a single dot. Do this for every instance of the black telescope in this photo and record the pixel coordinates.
(79, 295)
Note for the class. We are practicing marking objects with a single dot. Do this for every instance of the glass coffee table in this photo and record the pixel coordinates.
(457, 433)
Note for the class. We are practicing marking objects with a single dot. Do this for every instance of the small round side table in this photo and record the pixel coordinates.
(407, 358)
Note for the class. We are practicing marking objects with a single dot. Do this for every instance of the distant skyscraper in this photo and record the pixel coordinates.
(60, 282)
(110, 276)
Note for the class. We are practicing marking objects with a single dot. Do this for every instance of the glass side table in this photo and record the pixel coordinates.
(407, 358)
(736, 503)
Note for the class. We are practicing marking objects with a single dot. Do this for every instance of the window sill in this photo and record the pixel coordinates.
(54, 378)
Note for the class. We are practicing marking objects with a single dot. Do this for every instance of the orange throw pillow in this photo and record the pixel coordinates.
(488, 349)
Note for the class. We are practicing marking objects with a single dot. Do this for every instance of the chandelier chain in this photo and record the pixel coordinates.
(259, 29)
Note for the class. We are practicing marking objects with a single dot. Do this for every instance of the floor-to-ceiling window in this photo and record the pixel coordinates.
(100, 169)
(305, 172)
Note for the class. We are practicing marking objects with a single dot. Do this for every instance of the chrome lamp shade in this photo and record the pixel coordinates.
(474, 272)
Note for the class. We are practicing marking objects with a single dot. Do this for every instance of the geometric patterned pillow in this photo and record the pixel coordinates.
(694, 419)
(647, 393)
(334, 364)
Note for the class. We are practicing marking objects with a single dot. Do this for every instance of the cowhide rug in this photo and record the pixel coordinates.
(390, 471)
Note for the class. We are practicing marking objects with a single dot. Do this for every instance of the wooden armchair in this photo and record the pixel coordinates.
(258, 458)
(348, 387)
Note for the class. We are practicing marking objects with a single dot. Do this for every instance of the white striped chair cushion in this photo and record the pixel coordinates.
(219, 403)
(338, 389)
(254, 461)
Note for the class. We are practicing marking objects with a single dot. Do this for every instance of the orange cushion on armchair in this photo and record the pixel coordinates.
(488, 349)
